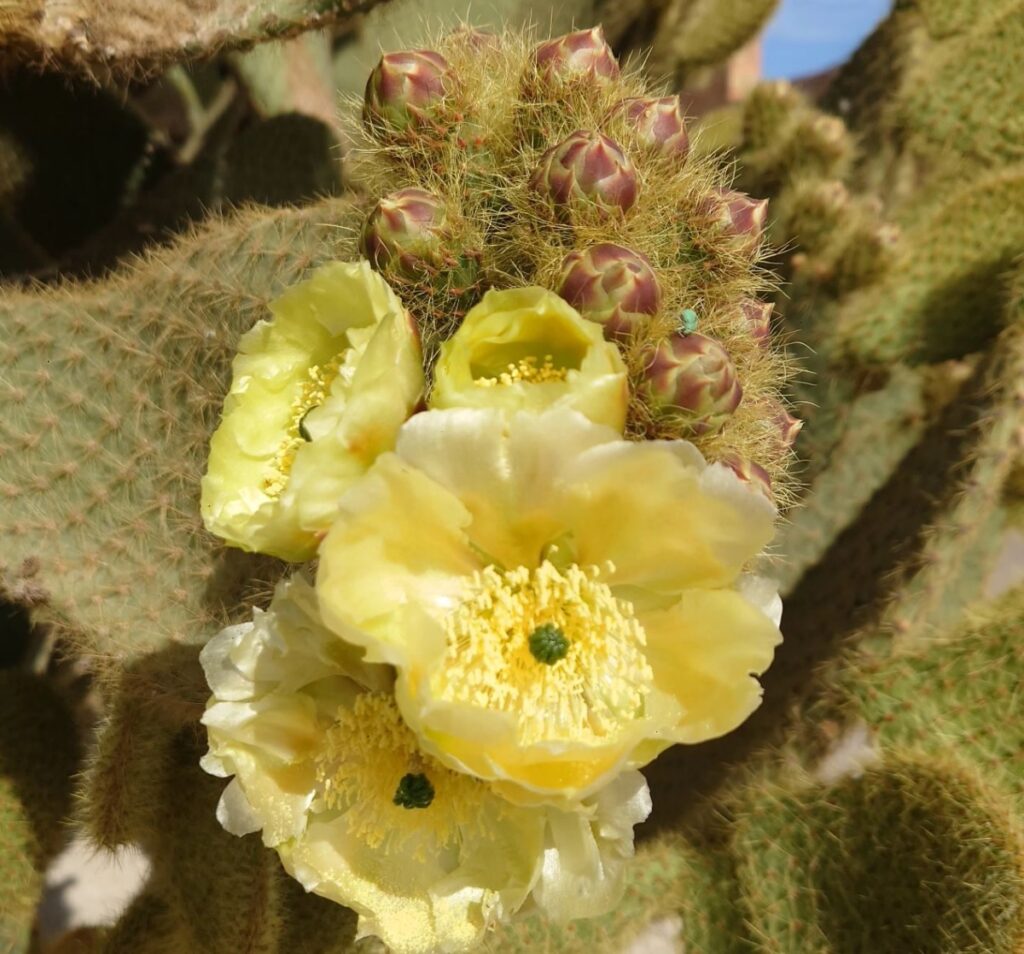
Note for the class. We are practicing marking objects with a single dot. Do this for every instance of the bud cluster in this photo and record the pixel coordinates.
(586, 185)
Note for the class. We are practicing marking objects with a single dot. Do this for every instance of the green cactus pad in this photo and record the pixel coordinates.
(39, 752)
(914, 855)
(110, 392)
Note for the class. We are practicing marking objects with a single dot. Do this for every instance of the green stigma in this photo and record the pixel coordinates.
(303, 430)
(414, 791)
(689, 320)
(548, 644)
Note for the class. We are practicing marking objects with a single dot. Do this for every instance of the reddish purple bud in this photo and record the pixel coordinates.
(612, 285)
(759, 319)
(789, 426)
(690, 383)
(579, 54)
(749, 472)
(586, 168)
(659, 123)
(405, 90)
(466, 35)
(404, 232)
(738, 213)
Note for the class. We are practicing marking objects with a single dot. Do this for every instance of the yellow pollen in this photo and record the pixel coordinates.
(363, 758)
(600, 684)
(312, 393)
(526, 371)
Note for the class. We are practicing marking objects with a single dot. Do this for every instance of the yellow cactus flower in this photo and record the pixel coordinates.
(327, 770)
(317, 392)
(528, 349)
(560, 604)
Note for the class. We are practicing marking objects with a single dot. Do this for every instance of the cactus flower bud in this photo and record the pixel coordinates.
(586, 167)
(611, 285)
(405, 90)
(759, 319)
(738, 213)
(583, 53)
(472, 37)
(789, 426)
(659, 124)
(690, 383)
(750, 473)
(404, 232)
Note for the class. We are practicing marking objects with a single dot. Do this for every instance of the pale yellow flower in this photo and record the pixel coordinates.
(560, 604)
(528, 349)
(326, 768)
(317, 392)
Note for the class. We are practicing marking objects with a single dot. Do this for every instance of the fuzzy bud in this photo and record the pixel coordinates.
(789, 426)
(405, 90)
(738, 214)
(611, 285)
(584, 53)
(472, 37)
(587, 167)
(659, 124)
(759, 319)
(750, 473)
(405, 232)
(690, 382)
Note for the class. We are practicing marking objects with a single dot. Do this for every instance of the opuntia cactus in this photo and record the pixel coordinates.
(587, 170)
(611, 285)
(691, 380)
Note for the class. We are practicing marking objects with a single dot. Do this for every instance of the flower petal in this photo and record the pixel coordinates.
(705, 650)
(399, 541)
(663, 519)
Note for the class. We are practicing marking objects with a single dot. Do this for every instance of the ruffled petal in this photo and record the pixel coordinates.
(666, 521)
(706, 651)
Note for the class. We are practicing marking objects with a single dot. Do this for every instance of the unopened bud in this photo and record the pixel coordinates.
(580, 54)
(789, 426)
(749, 472)
(405, 232)
(738, 214)
(758, 315)
(587, 168)
(612, 285)
(405, 90)
(690, 383)
(659, 124)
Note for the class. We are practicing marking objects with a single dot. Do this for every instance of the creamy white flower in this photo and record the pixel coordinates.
(317, 392)
(559, 603)
(326, 768)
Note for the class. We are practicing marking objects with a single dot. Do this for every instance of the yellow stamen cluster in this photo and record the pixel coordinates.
(312, 393)
(600, 683)
(362, 761)
(526, 371)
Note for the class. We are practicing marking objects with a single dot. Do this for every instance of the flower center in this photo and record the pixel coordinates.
(554, 648)
(526, 371)
(311, 394)
(370, 769)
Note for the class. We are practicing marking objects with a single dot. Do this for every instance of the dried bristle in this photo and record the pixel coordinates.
(493, 215)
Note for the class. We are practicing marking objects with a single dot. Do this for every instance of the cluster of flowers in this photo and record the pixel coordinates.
(513, 606)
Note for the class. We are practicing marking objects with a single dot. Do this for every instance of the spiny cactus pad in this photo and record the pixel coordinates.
(39, 752)
(914, 855)
(111, 391)
(135, 37)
